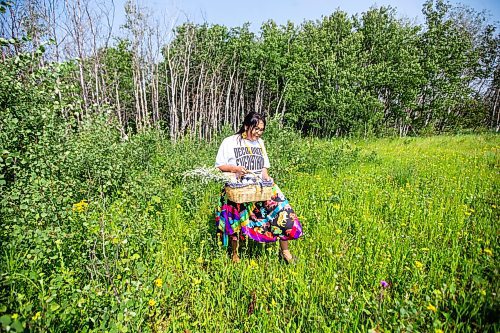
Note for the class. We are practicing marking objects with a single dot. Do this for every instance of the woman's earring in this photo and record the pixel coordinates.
(244, 135)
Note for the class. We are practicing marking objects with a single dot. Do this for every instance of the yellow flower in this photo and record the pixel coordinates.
(431, 307)
(336, 206)
(80, 206)
(437, 330)
(418, 264)
(488, 251)
(37, 316)
(158, 282)
(483, 292)
(273, 303)
(152, 302)
(178, 206)
(199, 260)
(14, 316)
(338, 231)
(253, 264)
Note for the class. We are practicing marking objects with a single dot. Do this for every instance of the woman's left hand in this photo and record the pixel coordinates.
(265, 175)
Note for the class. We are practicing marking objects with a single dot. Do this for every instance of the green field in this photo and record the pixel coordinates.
(421, 214)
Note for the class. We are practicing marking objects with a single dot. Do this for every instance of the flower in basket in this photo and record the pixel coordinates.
(206, 175)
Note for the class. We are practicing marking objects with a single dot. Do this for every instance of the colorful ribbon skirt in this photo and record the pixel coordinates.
(263, 221)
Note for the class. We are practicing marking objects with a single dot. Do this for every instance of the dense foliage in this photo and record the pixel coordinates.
(369, 74)
(340, 75)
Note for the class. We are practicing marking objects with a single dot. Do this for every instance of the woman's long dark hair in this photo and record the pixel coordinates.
(251, 120)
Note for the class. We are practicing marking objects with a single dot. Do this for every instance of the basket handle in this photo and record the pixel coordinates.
(259, 178)
(254, 174)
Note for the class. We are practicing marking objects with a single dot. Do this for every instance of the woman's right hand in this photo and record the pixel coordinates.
(239, 170)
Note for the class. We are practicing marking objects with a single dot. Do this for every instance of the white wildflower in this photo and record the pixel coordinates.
(206, 174)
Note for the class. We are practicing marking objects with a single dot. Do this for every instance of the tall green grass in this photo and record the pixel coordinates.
(419, 213)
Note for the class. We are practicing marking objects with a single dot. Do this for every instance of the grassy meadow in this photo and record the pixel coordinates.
(400, 235)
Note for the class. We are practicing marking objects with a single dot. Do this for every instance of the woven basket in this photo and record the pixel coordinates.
(252, 192)
(249, 193)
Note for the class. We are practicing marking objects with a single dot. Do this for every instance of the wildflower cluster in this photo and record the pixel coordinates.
(431, 307)
(206, 174)
(81, 206)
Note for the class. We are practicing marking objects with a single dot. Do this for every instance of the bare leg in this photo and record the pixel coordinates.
(234, 246)
(285, 252)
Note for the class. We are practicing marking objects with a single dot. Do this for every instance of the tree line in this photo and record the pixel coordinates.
(367, 74)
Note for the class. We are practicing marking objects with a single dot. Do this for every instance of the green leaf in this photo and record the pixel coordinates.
(54, 306)
(17, 326)
(5, 320)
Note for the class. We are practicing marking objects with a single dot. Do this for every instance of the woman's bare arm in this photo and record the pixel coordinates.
(232, 168)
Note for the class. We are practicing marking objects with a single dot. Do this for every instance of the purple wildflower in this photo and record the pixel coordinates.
(384, 284)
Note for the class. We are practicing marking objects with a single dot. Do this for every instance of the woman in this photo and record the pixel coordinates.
(266, 221)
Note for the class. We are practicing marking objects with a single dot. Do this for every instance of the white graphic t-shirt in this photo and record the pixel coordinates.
(235, 150)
